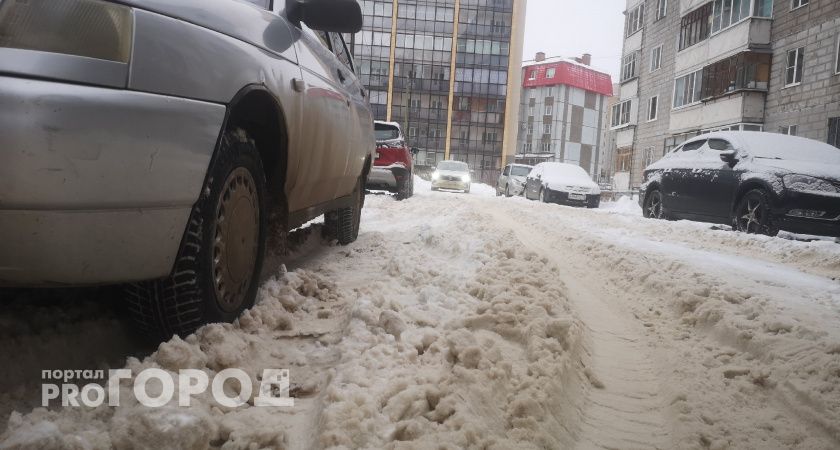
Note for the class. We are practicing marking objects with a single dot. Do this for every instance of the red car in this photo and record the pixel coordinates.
(393, 169)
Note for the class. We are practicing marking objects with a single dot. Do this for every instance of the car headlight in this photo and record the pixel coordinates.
(435, 175)
(805, 183)
(90, 28)
(465, 178)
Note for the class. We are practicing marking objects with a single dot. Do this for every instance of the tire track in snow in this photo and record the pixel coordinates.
(624, 409)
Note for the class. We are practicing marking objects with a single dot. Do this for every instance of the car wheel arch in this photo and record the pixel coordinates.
(750, 184)
(257, 111)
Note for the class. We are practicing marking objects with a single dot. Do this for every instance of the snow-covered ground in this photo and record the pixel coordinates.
(476, 321)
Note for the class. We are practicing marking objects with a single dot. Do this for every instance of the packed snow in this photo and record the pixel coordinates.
(475, 321)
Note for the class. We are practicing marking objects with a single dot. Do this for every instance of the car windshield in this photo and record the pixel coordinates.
(386, 132)
(520, 171)
(453, 166)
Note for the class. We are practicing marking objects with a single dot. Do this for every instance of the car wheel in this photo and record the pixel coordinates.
(653, 205)
(752, 215)
(216, 272)
(343, 224)
(542, 196)
(405, 188)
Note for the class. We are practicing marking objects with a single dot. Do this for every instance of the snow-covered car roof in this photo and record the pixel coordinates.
(778, 146)
(563, 170)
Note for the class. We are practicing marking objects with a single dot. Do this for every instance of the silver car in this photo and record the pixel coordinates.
(454, 175)
(512, 180)
(156, 142)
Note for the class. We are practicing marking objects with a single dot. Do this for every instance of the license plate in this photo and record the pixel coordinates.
(577, 197)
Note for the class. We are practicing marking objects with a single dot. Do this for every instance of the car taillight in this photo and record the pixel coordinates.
(90, 28)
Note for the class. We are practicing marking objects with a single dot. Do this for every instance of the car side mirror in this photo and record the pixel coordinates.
(415, 150)
(729, 157)
(335, 16)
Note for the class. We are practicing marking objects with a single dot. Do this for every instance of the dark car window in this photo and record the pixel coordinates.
(264, 4)
(519, 171)
(340, 50)
(507, 171)
(693, 145)
(720, 145)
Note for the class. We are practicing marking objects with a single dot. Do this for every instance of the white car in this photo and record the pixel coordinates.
(452, 175)
(512, 180)
(554, 182)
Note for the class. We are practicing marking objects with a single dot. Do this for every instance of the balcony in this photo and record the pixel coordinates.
(739, 107)
(750, 34)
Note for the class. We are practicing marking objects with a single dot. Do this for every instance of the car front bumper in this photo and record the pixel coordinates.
(588, 200)
(790, 209)
(451, 184)
(97, 184)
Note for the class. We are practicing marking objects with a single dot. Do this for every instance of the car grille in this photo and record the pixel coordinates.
(450, 178)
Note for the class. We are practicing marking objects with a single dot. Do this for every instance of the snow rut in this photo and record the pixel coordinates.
(623, 408)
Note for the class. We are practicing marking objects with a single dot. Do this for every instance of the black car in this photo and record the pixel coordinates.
(757, 182)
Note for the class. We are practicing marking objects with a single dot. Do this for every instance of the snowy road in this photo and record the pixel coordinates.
(472, 321)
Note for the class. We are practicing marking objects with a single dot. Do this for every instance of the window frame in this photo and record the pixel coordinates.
(620, 108)
(550, 73)
(694, 90)
(633, 65)
(546, 129)
(653, 107)
(695, 27)
(661, 9)
(837, 56)
(801, 4)
(549, 110)
(658, 52)
(790, 130)
(635, 20)
(798, 67)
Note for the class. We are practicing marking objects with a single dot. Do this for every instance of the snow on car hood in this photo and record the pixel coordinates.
(559, 176)
(816, 169)
(451, 173)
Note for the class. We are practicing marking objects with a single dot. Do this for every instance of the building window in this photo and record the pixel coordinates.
(834, 131)
(549, 110)
(621, 114)
(628, 68)
(623, 159)
(790, 130)
(412, 132)
(546, 147)
(687, 89)
(742, 71)
(837, 63)
(695, 26)
(635, 20)
(656, 59)
(795, 64)
(546, 128)
(526, 147)
(530, 128)
(550, 73)
(532, 75)
(650, 156)
(661, 9)
(798, 3)
(653, 108)
(731, 12)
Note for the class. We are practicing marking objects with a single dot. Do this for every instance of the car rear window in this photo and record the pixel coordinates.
(386, 132)
(693, 145)
(519, 171)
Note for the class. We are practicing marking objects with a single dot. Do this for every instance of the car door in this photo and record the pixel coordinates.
(715, 185)
(326, 122)
(503, 179)
(678, 185)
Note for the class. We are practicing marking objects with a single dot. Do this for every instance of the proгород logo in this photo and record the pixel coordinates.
(64, 387)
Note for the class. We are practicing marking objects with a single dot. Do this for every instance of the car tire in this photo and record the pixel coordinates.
(405, 189)
(653, 205)
(753, 215)
(343, 224)
(216, 272)
(543, 198)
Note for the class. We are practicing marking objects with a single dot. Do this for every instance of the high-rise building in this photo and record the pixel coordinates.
(448, 71)
(561, 115)
(695, 66)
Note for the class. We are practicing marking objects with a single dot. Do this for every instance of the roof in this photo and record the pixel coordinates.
(567, 72)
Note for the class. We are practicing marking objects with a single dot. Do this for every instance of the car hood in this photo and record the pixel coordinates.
(451, 173)
(815, 169)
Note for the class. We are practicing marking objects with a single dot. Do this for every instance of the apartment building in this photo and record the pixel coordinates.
(695, 66)
(449, 72)
(562, 112)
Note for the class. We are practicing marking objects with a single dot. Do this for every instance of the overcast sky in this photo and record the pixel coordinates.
(574, 27)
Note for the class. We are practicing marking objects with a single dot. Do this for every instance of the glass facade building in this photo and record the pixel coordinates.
(448, 72)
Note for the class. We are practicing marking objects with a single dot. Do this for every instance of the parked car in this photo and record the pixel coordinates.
(451, 175)
(757, 182)
(159, 146)
(568, 184)
(393, 168)
(512, 180)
